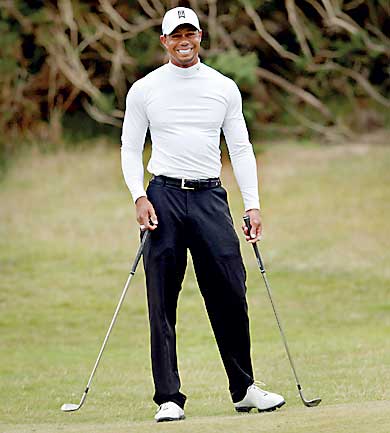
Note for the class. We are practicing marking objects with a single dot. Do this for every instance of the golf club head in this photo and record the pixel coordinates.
(70, 407)
(312, 403)
(309, 403)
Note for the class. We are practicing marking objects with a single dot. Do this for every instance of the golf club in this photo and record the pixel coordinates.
(309, 403)
(71, 407)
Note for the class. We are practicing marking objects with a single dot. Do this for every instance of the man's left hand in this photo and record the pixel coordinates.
(256, 226)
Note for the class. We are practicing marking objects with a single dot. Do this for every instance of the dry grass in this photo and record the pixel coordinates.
(343, 418)
(67, 239)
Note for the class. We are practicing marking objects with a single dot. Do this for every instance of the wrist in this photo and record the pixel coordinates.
(140, 199)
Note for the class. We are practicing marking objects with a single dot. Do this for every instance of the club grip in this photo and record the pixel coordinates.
(247, 222)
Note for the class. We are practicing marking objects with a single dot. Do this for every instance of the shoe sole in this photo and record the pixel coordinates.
(170, 419)
(270, 409)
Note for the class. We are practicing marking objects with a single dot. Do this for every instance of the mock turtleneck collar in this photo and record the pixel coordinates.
(184, 72)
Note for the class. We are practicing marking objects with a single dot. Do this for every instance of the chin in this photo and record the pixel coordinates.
(185, 62)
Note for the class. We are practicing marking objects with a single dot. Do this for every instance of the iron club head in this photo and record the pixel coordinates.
(312, 403)
(309, 403)
(70, 407)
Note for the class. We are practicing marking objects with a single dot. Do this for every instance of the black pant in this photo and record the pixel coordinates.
(199, 221)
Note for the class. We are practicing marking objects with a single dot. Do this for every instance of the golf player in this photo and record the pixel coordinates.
(185, 105)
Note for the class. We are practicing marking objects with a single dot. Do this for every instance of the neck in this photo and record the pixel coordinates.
(189, 71)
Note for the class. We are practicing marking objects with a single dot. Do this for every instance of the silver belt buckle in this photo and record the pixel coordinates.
(183, 185)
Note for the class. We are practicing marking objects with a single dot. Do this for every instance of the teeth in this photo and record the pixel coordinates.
(184, 51)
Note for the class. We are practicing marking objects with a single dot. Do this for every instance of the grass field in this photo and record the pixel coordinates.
(67, 241)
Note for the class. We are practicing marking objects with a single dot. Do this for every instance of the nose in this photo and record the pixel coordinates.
(184, 43)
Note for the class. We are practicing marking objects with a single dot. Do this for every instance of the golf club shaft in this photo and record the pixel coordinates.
(257, 252)
(132, 272)
(263, 273)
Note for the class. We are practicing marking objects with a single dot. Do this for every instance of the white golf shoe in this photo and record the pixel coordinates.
(256, 398)
(169, 411)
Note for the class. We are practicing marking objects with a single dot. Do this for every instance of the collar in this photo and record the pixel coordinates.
(185, 72)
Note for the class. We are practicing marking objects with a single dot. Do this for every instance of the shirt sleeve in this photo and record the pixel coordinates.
(241, 150)
(135, 125)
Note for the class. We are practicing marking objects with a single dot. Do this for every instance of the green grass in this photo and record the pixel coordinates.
(68, 238)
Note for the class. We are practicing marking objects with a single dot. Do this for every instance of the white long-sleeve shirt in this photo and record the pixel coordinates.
(185, 110)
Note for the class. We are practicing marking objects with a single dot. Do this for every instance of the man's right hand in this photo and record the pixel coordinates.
(146, 216)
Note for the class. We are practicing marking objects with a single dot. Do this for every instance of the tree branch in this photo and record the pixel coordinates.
(158, 6)
(212, 23)
(359, 78)
(99, 116)
(115, 18)
(332, 134)
(291, 88)
(340, 19)
(147, 8)
(261, 30)
(67, 16)
(294, 21)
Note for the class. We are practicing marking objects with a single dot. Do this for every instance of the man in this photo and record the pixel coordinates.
(185, 104)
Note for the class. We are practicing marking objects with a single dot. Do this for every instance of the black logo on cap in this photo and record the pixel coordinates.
(181, 14)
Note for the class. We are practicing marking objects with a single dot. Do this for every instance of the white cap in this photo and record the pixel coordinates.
(178, 16)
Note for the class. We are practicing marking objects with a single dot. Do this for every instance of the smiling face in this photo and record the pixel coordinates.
(183, 45)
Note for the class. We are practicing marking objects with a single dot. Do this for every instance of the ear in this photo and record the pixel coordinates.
(163, 40)
(200, 35)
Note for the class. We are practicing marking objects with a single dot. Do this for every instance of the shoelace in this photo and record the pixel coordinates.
(256, 384)
(163, 406)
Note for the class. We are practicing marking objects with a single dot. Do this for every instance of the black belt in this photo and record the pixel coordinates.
(192, 184)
